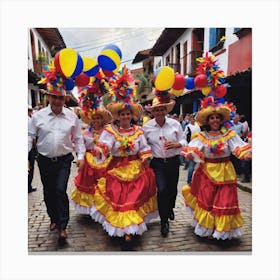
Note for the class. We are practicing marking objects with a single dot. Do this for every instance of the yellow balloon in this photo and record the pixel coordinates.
(68, 61)
(89, 62)
(176, 92)
(165, 78)
(206, 90)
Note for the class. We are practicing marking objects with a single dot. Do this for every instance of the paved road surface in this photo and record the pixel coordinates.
(85, 235)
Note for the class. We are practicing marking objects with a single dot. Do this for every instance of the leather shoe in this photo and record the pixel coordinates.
(164, 229)
(52, 226)
(172, 215)
(62, 237)
(128, 238)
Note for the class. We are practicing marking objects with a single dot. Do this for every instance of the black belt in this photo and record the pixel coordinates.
(55, 159)
(165, 160)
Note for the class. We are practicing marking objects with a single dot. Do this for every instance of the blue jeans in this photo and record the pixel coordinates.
(190, 171)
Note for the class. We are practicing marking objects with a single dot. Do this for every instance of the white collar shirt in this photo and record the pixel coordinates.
(156, 135)
(56, 133)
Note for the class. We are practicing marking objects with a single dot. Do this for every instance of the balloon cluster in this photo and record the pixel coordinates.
(210, 79)
(166, 79)
(81, 71)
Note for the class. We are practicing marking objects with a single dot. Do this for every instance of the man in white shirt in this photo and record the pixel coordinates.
(55, 128)
(166, 139)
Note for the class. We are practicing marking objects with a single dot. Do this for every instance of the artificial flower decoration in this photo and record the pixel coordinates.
(122, 87)
(209, 66)
(126, 145)
(217, 148)
(53, 79)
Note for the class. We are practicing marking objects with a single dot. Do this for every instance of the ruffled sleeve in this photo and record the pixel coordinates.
(88, 140)
(104, 145)
(195, 148)
(238, 147)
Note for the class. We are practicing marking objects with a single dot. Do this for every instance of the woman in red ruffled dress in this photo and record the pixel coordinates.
(212, 196)
(96, 117)
(125, 199)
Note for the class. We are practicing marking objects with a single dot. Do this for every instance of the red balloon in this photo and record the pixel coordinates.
(179, 82)
(82, 80)
(201, 81)
(220, 91)
(108, 73)
(57, 65)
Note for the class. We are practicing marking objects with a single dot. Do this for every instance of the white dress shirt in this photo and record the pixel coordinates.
(157, 135)
(56, 133)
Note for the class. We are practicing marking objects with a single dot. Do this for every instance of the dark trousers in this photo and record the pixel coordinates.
(54, 176)
(31, 158)
(167, 176)
(236, 163)
(247, 169)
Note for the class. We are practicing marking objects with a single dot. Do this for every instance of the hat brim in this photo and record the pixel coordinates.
(115, 107)
(87, 118)
(169, 106)
(203, 114)
(57, 93)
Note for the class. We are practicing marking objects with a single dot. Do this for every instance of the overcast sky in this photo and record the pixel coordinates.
(90, 41)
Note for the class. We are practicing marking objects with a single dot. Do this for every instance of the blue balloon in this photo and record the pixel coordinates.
(221, 100)
(69, 84)
(114, 48)
(189, 83)
(79, 67)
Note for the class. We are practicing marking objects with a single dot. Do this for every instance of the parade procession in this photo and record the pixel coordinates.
(115, 164)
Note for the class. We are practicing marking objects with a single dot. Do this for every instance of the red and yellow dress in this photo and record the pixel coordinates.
(86, 179)
(125, 199)
(212, 197)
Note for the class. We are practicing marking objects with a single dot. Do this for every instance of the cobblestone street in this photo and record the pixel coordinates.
(85, 235)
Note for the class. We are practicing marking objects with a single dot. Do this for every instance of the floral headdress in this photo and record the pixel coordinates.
(53, 80)
(122, 94)
(162, 98)
(90, 100)
(214, 88)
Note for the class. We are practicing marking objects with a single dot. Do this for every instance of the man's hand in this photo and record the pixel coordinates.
(171, 145)
(248, 156)
(80, 164)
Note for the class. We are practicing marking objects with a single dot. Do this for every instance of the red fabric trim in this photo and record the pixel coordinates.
(220, 199)
(217, 160)
(130, 195)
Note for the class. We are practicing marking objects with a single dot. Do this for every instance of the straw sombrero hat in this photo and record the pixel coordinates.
(87, 115)
(209, 106)
(115, 106)
(161, 99)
